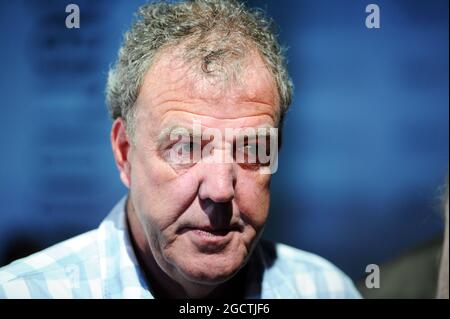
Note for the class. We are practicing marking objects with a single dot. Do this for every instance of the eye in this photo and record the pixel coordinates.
(250, 155)
(246, 154)
(182, 153)
(186, 147)
(251, 148)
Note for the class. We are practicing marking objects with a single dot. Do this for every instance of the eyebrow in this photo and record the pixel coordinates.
(180, 130)
(264, 130)
(176, 130)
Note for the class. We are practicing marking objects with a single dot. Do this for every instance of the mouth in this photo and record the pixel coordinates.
(210, 237)
(209, 231)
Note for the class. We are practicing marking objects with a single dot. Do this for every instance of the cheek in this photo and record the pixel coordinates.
(253, 198)
(159, 194)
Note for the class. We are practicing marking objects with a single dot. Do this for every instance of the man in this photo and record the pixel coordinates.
(187, 75)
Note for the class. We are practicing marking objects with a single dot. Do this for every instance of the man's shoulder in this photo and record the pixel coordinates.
(58, 268)
(307, 275)
(300, 259)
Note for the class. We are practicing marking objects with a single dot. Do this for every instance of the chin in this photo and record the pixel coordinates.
(211, 269)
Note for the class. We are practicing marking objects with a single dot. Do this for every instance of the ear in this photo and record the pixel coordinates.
(121, 146)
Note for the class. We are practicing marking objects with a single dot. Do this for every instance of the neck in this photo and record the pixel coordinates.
(164, 286)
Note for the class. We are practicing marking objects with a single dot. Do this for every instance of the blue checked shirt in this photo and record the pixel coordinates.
(102, 264)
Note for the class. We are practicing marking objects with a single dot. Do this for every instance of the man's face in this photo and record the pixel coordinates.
(200, 220)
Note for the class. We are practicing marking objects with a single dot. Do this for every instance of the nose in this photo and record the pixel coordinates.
(217, 182)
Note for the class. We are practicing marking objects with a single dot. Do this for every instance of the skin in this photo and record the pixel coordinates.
(168, 203)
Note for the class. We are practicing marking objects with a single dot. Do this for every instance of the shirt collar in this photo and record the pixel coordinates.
(121, 274)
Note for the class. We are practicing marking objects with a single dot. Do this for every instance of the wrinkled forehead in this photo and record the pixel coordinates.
(228, 88)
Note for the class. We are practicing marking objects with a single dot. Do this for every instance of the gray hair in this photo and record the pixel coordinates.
(214, 30)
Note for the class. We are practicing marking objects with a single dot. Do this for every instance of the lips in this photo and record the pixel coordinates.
(209, 231)
(208, 239)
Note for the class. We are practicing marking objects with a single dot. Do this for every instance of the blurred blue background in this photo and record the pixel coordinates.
(365, 145)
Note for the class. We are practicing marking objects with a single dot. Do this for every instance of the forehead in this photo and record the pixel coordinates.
(174, 87)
